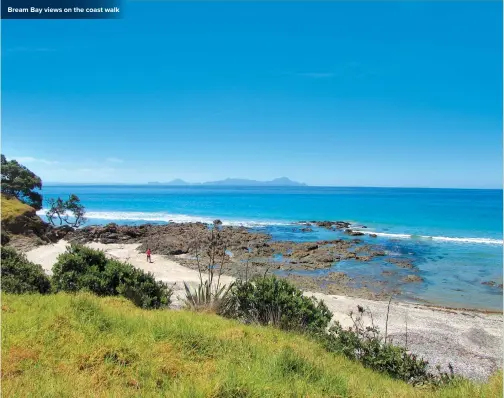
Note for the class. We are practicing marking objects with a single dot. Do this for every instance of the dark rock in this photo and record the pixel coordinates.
(353, 233)
(413, 278)
(323, 257)
(336, 276)
(350, 255)
(331, 224)
(373, 235)
(401, 263)
(111, 227)
(307, 246)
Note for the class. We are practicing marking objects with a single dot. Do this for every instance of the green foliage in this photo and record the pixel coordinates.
(366, 345)
(5, 238)
(272, 301)
(70, 211)
(82, 268)
(81, 345)
(19, 181)
(22, 276)
(203, 298)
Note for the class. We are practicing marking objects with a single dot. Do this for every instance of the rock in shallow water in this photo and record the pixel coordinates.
(413, 278)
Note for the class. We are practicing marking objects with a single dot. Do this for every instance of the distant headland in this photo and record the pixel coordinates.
(277, 182)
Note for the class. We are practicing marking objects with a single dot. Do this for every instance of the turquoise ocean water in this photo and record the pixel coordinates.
(454, 236)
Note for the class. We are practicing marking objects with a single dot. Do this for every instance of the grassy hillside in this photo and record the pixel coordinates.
(13, 208)
(80, 345)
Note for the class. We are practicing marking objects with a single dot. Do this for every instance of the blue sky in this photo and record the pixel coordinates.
(328, 93)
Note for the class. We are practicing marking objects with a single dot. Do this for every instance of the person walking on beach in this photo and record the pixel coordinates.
(148, 255)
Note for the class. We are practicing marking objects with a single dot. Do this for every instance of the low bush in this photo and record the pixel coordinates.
(82, 268)
(205, 297)
(22, 276)
(366, 345)
(272, 301)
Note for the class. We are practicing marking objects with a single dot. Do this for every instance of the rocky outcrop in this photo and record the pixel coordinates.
(257, 250)
(492, 284)
(327, 224)
(412, 279)
(401, 263)
(21, 223)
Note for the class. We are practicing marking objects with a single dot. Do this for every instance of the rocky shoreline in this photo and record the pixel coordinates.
(251, 253)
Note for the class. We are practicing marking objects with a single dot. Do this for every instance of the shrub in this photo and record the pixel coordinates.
(141, 287)
(22, 276)
(272, 301)
(5, 238)
(366, 345)
(82, 268)
(205, 297)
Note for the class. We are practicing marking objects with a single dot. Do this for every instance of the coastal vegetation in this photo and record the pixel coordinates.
(265, 301)
(22, 276)
(21, 220)
(82, 268)
(272, 301)
(68, 212)
(21, 198)
(13, 208)
(367, 345)
(83, 345)
(20, 182)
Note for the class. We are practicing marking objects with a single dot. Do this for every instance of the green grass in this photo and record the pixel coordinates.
(12, 208)
(81, 346)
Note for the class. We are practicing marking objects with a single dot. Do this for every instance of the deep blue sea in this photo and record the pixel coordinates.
(453, 235)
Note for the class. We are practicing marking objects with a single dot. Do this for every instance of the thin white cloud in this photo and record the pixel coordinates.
(30, 159)
(114, 160)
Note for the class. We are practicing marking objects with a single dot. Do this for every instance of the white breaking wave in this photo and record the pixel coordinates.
(167, 217)
(486, 241)
(182, 218)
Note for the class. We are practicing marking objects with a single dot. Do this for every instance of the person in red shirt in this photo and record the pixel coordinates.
(148, 255)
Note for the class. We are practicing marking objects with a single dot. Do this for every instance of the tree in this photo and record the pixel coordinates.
(19, 181)
(70, 212)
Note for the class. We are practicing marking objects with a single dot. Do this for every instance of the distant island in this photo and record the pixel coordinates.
(277, 182)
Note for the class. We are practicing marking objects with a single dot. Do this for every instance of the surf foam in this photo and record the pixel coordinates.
(183, 218)
(486, 241)
(167, 217)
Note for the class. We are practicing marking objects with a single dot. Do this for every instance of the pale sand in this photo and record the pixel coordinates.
(471, 341)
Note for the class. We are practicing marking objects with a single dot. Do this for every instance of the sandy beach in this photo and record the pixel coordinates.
(471, 341)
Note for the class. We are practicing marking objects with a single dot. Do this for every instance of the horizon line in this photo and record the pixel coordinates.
(53, 183)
